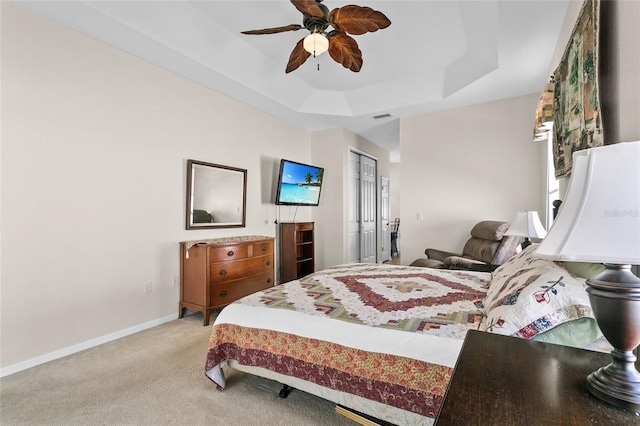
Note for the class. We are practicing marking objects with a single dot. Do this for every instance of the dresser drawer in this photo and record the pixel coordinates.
(222, 254)
(228, 271)
(227, 292)
(265, 247)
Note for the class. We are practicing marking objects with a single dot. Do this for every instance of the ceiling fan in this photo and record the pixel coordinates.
(350, 19)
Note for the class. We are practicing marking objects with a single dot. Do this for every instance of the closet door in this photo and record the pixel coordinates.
(368, 216)
(362, 208)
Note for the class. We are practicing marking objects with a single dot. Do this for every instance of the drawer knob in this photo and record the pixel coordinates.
(264, 247)
(230, 253)
(268, 262)
(223, 272)
(268, 280)
(223, 293)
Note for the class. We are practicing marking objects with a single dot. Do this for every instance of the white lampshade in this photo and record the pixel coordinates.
(599, 221)
(316, 44)
(526, 224)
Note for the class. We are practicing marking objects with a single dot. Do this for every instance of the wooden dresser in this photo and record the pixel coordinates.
(214, 273)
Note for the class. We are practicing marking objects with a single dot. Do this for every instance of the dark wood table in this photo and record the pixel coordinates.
(500, 380)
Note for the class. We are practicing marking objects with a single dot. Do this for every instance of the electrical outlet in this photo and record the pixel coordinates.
(174, 282)
(148, 287)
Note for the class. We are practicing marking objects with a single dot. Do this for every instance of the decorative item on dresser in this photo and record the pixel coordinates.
(296, 250)
(214, 273)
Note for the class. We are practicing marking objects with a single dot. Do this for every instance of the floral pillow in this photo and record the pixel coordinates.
(529, 296)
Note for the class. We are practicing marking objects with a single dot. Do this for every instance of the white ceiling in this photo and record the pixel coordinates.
(435, 55)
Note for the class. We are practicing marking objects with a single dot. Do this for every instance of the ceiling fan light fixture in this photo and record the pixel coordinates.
(349, 19)
(316, 44)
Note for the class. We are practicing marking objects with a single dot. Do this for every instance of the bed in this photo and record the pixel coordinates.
(383, 339)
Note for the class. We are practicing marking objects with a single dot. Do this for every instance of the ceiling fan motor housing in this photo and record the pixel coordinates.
(315, 24)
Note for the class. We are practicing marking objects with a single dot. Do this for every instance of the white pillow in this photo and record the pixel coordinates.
(521, 261)
(529, 296)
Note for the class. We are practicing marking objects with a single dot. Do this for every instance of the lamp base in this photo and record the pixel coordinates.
(615, 300)
(616, 383)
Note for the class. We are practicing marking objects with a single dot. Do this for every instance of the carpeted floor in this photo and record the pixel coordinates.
(155, 377)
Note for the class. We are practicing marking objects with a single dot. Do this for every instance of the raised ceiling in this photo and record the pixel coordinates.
(435, 55)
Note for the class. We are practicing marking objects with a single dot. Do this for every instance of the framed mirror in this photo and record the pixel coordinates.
(216, 196)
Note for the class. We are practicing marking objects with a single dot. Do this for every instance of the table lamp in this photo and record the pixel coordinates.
(599, 222)
(526, 224)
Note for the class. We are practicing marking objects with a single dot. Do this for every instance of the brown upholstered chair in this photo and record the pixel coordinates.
(487, 249)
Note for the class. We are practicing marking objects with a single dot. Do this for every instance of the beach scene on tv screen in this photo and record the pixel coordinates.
(300, 184)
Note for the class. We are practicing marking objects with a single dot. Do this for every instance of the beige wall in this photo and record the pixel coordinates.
(466, 165)
(620, 74)
(94, 150)
(395, 197)
(331, 148)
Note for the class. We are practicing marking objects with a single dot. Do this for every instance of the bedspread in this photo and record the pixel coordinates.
(401, 382)
(403, 298)
(388, 334)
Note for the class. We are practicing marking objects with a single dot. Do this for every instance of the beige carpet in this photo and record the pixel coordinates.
(155, 377)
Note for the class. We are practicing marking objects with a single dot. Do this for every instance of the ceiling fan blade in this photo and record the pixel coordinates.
(344, 50)
(292, 27)
(357, 20)
(298, 57)
(308, 7)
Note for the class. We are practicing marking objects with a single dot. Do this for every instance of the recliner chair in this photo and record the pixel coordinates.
(487, 249)
(202, 216)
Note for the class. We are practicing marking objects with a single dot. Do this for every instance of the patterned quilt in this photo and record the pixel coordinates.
(422, 301)
(404, 298)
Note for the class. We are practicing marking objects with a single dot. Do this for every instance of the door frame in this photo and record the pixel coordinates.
(385, 219)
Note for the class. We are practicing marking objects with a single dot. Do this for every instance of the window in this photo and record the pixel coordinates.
(553, 186)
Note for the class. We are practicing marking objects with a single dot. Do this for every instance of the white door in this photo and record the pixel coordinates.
(385, 239)
(354, 207)
(368, 216)
(362, 208)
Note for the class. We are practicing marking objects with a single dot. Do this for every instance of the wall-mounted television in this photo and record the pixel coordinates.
(299, 184)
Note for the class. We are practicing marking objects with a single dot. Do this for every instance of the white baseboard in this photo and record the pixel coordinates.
(11, 369)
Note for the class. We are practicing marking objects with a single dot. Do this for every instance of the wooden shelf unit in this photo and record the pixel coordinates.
(297, 252)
